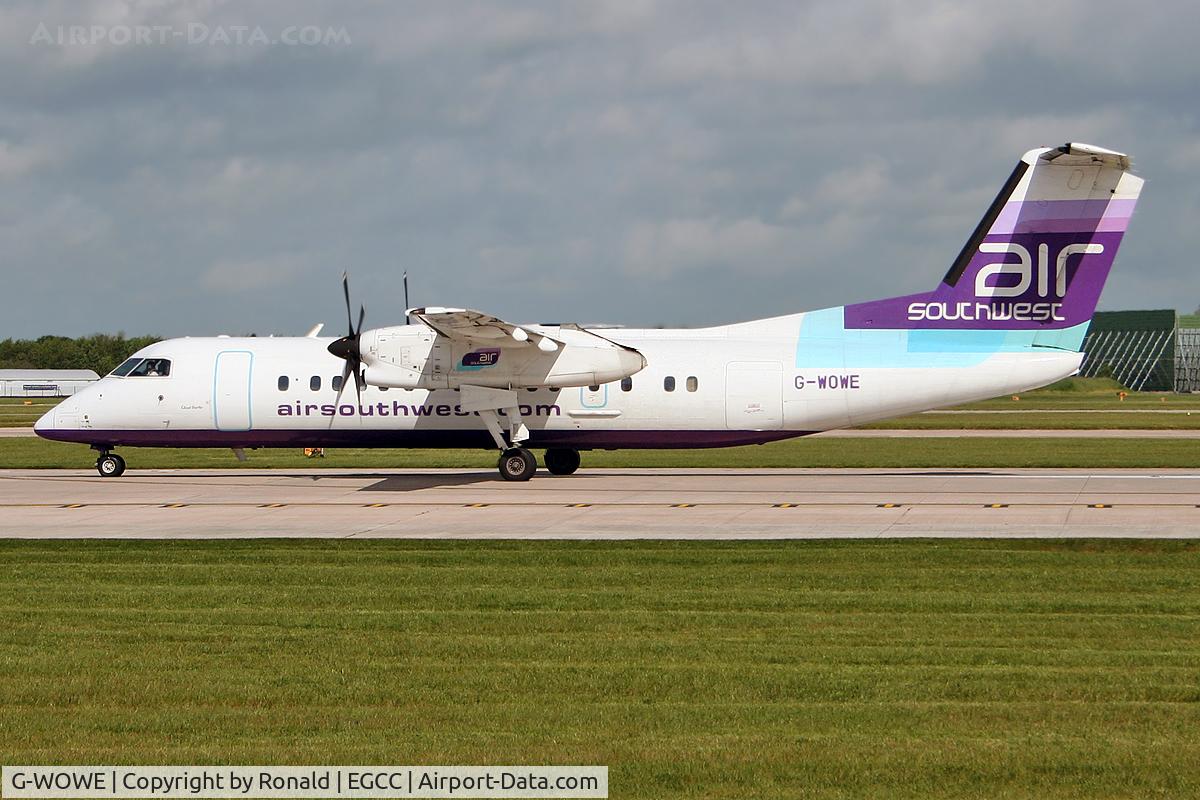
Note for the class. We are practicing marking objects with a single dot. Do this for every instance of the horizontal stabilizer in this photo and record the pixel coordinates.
(1076, 154)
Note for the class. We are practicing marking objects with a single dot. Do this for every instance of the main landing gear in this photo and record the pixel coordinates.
(517, 464)
(562, 461)
(110, 465)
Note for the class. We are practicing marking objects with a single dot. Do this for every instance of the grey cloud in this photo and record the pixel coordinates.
(656, 163)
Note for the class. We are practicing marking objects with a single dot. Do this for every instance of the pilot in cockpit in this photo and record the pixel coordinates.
(152, 368)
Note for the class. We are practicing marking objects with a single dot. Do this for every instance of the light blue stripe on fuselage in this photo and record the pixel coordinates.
(825, 343)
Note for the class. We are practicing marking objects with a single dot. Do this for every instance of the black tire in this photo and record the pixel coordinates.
(110, 465)
(517, 464)
(561, 460)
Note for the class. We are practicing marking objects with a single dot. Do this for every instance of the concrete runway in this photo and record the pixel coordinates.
(602, 504)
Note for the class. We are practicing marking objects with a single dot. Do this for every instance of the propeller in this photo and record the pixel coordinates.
(346, 348)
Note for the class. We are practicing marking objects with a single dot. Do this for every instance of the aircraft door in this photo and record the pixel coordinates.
(754, 395)
(231, 390)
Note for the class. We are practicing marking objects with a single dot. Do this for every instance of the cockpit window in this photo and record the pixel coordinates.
(151, 368)
(125, 367)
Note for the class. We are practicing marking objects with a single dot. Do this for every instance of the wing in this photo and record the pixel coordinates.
(475, 327)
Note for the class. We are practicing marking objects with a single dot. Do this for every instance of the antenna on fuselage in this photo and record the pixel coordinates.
(407, 321)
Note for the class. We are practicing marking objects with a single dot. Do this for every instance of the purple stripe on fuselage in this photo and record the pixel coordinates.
(610, 439)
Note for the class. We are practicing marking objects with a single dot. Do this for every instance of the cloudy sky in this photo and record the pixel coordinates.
(179, 168)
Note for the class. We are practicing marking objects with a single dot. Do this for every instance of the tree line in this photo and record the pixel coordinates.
(100, 352)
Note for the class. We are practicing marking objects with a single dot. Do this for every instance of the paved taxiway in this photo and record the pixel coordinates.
(601, 504)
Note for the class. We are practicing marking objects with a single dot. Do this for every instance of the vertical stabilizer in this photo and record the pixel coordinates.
(1038, 259)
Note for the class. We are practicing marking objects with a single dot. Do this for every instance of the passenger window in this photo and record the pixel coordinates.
(626, 384)
(152, 368)
(336, 383)
(692, 383)
(283, 383)
(126, 367)
(314, 383)
(669, 383)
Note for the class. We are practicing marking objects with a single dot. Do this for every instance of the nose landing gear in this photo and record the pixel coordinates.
(110, 465)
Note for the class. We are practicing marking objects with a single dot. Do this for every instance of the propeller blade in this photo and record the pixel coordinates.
(346, 291)
(347, 347)
(341, 388)
(342, 384)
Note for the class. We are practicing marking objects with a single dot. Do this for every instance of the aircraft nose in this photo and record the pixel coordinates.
(45, 423)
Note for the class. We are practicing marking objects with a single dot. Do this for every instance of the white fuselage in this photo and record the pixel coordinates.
(737, 384)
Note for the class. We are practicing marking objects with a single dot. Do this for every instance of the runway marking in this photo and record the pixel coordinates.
(784, 505)
(175, 505)
(1099, 505)
(693, 505)
(579, 505)
(485, 505)
(377, 505)
(996, 505)
(73, 505)
(889, 505)
(273, 505)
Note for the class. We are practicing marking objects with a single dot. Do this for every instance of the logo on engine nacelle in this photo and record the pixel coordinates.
(478, 359)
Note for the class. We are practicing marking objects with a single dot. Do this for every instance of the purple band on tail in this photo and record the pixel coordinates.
(1042, 265)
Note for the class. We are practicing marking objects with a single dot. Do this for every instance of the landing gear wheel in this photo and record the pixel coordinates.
(517, 464)
(110, 465)
(561, 461)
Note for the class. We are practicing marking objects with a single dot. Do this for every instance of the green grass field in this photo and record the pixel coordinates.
(1046, 419)
(742, 669)
(29, 453)
(1088, 394)
(23, 412)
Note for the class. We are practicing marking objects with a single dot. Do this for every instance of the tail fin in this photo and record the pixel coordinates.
(1039, 257)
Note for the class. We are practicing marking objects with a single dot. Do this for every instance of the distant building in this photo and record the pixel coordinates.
(1136, 348)
(44, 382)
(1144, 350)
(1187, 353)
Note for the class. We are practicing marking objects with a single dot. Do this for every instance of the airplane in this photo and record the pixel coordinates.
(1010, 315)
